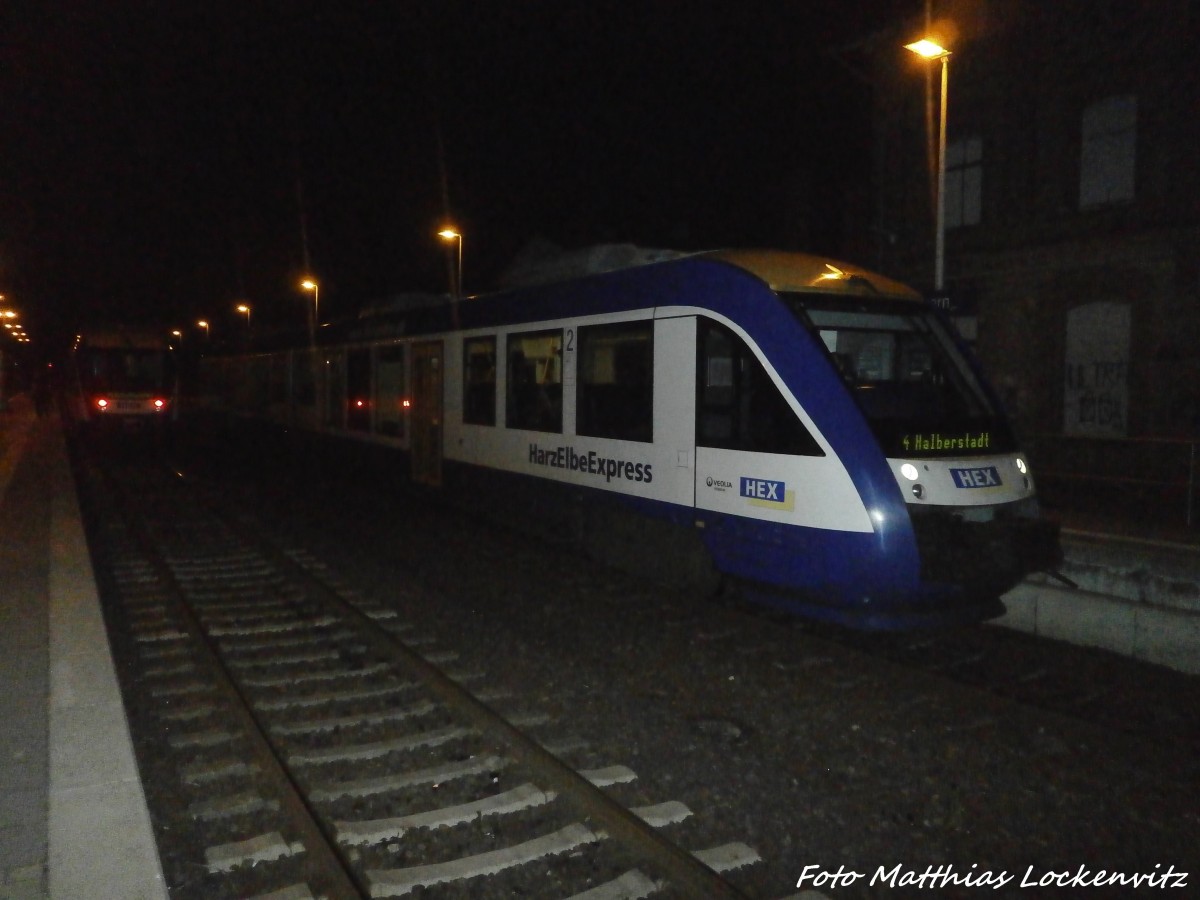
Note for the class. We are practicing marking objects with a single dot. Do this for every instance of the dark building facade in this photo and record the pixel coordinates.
(1072, 206)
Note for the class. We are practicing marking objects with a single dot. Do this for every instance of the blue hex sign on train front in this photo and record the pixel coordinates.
(976, 478)
(762, 489)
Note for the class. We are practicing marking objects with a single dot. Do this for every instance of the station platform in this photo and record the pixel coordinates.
(73, 818)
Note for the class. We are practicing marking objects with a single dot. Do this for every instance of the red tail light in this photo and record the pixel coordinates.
(102, 403)
(159, 404)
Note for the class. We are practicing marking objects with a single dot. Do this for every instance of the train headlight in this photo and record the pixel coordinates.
(918, 491)
(1021, 467)
(909, 471)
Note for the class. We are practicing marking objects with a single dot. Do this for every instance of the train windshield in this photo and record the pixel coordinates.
(907, 374)
(124, 370)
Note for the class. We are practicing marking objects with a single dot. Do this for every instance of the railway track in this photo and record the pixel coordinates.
(299, 739)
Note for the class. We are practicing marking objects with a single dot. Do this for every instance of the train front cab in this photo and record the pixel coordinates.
(122, 382)
(943, 517)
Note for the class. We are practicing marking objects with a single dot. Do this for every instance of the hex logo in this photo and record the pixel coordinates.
(768, 493)
(983, 477)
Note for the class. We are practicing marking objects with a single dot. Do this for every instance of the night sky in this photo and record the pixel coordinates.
(162, 160)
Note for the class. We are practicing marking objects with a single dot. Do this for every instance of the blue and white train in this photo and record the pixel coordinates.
(811, 431)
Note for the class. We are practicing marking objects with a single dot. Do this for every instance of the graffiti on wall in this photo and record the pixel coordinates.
(1096, 381)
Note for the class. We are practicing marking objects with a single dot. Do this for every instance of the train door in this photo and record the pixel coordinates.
(427, 413)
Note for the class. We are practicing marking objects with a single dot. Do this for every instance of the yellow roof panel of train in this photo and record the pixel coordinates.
(802, 272)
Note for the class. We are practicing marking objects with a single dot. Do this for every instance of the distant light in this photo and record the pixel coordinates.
(927, 49)
(102, 403)
(406, 403)
(159, 404)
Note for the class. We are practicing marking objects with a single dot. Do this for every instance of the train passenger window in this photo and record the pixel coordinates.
(390, 390)
(738, 407)
(358, 390)
(615, 395)
(534, 397)
(479, 381)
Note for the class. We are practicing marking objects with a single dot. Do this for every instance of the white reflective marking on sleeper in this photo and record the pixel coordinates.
(633, 885)
(264, 848)
(661, 814)
(308, 677)
(610, 775)
(374, 831)
(378, 748)
(432, 775)
(335, 696)
(293, 892)
(397, 882)
(728, 856)
(391, 715)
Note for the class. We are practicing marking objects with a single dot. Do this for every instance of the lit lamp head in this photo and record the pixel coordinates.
(928, 49)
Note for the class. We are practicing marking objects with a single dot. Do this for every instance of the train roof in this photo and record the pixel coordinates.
(120, 338)
(616, 289)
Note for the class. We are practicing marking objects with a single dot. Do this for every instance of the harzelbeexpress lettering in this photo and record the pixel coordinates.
(590, 462)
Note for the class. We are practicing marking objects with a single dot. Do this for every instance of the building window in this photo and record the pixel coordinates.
(964, 182)
(1106, 166)
(479, 381)
(534, 398)
(616, 381)
(738, 406)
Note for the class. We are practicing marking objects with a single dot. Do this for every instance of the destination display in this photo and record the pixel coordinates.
(947, 442)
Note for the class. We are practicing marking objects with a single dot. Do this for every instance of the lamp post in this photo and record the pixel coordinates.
(245, 309)
(309, 284)
(451, 234)
(203, 323)
(931, 50)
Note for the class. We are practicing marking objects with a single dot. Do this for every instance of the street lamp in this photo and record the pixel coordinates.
(203, 323)
(931, 51)
(309, 285)
(451, 234)
(245, 309)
